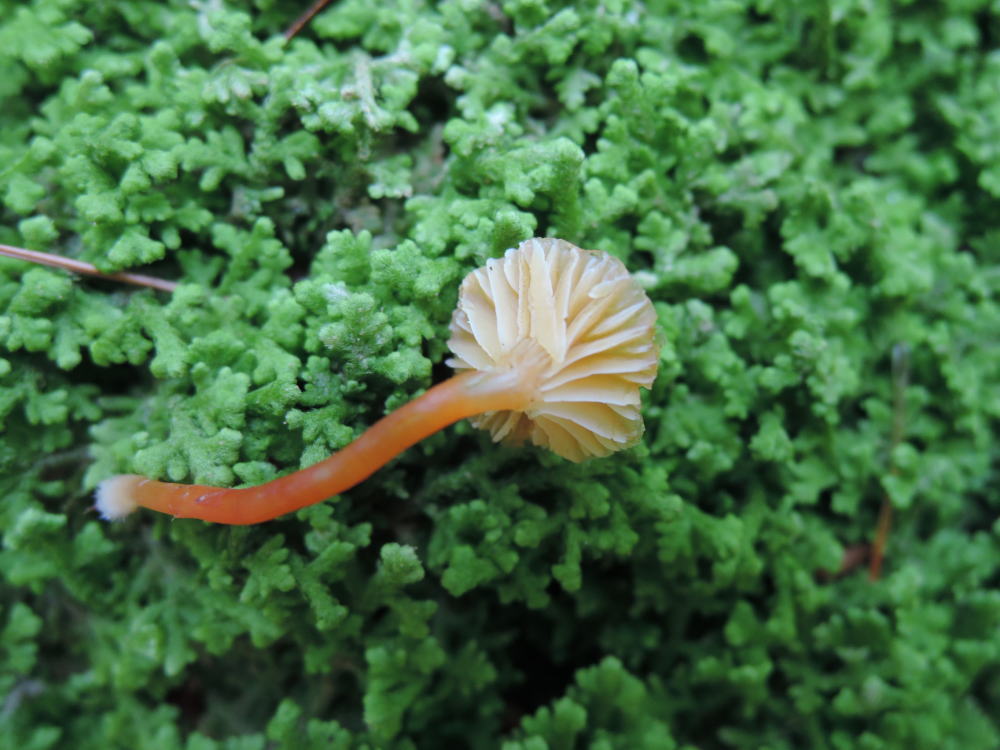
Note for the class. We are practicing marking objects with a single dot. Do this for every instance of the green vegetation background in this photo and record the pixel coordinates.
(807, 190)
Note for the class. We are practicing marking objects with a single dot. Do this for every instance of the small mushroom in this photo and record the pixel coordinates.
(551, 344)
(578, 315)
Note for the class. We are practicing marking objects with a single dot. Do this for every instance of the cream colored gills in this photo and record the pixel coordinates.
(579, 317)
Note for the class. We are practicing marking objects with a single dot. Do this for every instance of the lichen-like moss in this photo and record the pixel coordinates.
(808, 192)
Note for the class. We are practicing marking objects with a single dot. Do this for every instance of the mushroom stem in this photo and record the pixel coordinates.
(461, 396)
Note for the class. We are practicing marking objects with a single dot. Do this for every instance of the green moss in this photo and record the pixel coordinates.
(806, 190)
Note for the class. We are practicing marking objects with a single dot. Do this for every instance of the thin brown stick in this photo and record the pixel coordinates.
(854, 557)
(881, 539)
(900, 380)
(78, 266)
(301, 21)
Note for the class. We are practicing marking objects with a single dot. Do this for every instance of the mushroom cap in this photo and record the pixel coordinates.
(579, 317)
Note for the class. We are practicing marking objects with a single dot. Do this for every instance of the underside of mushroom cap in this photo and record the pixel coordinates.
(581, 315)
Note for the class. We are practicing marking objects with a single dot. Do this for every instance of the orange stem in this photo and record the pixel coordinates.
(459, 397)
(78, 266)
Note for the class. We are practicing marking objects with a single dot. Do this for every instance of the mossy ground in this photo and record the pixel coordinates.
(807, 190)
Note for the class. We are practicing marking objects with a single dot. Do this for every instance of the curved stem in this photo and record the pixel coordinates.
(459, 397)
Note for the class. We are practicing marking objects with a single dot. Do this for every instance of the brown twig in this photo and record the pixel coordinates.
(854, 557)
(305, 18)
(881, 538)
(78, 266)
(900, 379)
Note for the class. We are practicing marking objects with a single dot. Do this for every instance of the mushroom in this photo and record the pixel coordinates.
(551, 344)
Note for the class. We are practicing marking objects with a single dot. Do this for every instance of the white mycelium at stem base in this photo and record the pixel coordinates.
(583, 314)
